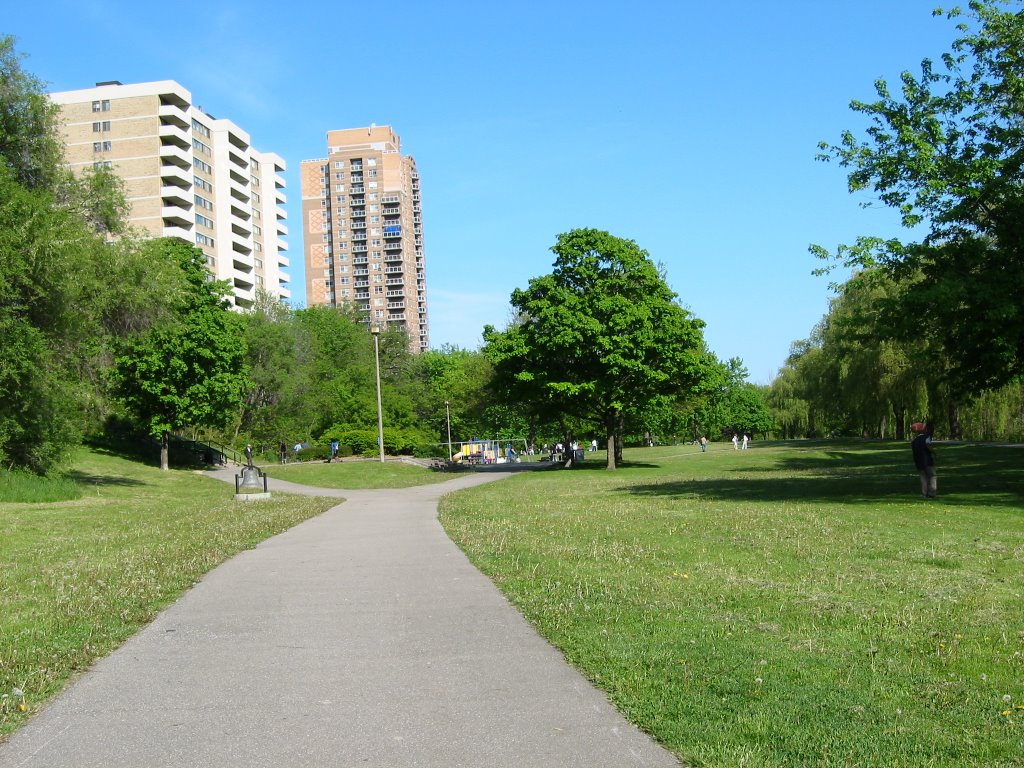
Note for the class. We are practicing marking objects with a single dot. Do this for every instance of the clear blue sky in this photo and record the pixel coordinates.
(689, 127)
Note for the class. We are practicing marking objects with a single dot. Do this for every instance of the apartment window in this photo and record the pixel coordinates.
(101, 127)
(343, 246)
(259, 263)
(339, 163)
(344, 281)
(375, 219)
(95, 106)
(259, 279)
(254, 181)
(199, 128)
(202, 202)
(199, 164)
(373, 185)
(344, 269)
(373, 196)
(371, 161)
(374, 208)
(256, 165)
(256, 197)
(202, 183)
(258, 246)
(376, 254)
(376, 267)
(203, 221)
(346, 293)
(97, 146)
(339, 176)
(102, 164)
(198, 146)
(373, 174)
(202, 239)
(339, 187)
(257, 230)
(340, 199)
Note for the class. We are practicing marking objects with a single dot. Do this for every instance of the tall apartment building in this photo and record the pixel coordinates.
(363, 232)
(186, 174)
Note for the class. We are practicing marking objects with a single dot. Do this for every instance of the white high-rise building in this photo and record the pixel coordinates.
(186, 174)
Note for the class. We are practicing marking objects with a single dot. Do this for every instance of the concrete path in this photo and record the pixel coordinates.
(362, 637)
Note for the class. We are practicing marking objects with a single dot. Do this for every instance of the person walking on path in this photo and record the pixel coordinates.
(703, 444)
(924, 460)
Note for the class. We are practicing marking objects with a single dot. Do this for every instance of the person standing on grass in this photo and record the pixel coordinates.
(703, 444)
(746, 439)
(924, 460)
(735, 442)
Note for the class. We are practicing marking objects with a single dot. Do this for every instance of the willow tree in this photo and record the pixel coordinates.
(598, 339)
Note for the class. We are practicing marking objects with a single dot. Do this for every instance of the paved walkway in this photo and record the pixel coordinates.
(362, 637)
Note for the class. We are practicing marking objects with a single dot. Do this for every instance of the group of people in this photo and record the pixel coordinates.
(736, 442)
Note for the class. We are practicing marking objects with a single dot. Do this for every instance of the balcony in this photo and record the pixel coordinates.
(361, 260)
(396, 305)
(362, 283)
(396, 318)
(393, 270)
(179, 230)
(391, 211)
(393, 245)
(179, 177)
(174, 134)
(241, 229)
(175, 155)
(176, 197)
(395, 281)
(393, 257)
(386, 199)
(241, 245)
(174, 216)
(173, 113)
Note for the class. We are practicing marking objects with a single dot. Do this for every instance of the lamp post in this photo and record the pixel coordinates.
(448, 414)
(375, 330)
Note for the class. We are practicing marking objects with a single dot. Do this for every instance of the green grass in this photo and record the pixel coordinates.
(784, 606)
(28, 488)
(356, 474)
(79, 576)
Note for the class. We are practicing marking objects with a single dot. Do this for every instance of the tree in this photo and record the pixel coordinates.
(189, 371)
(30, 147)
(598, 338)
(947, 153)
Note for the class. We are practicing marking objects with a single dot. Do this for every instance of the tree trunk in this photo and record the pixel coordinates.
(901, 422)
(955, 432)
(165, 442)
(611, 450)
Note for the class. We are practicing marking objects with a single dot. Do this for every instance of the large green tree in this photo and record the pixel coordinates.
(597, 339)
(946, 150)
(189, 371)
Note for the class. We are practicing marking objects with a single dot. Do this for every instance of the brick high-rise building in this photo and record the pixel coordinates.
(186, 174)
(363, 233)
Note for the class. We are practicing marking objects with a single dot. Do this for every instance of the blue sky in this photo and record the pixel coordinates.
(689, 127)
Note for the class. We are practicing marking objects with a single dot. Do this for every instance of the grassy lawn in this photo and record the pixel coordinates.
(78, 577)
(792, 605)
(356, 474)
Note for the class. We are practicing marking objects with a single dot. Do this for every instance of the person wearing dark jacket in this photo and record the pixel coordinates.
(924, 460)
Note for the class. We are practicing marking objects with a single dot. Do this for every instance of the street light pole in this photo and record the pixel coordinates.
(448, 414)
(375, 330)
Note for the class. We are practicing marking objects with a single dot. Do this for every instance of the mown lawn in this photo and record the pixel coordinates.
(356, 474)
(78, 577)
(792, 605)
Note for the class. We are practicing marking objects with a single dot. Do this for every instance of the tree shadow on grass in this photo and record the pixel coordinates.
(969, 475)
(92, 479)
